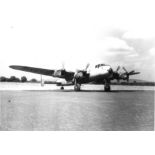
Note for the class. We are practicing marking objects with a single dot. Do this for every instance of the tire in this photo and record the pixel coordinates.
(107, 88)
(62, 88)
(77, 87)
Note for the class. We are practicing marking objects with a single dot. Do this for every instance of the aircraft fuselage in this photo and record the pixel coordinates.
(99, 72)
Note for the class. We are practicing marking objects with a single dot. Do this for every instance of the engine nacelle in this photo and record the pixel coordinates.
(59, 73)
(124, 76)
(81, 76)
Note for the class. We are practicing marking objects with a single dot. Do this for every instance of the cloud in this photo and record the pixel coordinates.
(108, 32)
(134, 49)
(113, 44)
(116, 44)
(152, 51)
(139, 34)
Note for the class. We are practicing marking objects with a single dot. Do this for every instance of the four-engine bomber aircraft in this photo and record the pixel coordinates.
(99, 72)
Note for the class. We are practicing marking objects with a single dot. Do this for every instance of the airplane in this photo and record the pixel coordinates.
(99, 72)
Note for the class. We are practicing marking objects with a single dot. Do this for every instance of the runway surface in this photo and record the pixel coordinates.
(89, 109)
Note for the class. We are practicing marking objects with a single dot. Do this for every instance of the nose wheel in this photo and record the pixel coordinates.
(62, 88)
(107, 88)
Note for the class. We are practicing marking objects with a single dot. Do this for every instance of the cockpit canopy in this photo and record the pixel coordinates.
(100, 65)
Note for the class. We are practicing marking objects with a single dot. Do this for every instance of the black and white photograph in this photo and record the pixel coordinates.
(77, 65)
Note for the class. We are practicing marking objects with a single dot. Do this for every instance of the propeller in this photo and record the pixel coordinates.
(130, 73)
(63, 66)
(87, 67)
(118, 68)
(80, 74)
(125, 69)
(127, 74)
(116, 75)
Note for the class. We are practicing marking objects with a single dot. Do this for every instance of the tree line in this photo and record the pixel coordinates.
(16, 79)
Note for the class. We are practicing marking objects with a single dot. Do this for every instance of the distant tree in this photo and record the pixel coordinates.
(33, 80)
(13, 79)
(23, 79)
(17, 80)
(3, 79)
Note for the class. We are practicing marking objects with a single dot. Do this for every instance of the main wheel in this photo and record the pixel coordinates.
(107, 88)
(62, 88)
(77, 87)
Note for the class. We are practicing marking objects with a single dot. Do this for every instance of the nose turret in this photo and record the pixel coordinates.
(107, 69)
(110, 70)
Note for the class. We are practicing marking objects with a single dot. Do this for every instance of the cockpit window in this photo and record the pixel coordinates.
(99, 65)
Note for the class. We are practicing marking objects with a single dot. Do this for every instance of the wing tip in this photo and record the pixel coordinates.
(15, 67)
(11, 66)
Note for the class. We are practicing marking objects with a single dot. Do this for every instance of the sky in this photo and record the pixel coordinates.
(49, 33)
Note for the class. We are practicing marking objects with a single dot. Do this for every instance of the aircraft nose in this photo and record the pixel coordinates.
(109, 70)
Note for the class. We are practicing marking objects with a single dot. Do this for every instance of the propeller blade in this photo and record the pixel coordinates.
(87, 67)
(63, 65)
(134, 73)
(131, 72)
(118, 68)
(125, 69)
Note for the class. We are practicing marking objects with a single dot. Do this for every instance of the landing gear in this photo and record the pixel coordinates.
(77, 87)
(62, 88)
(107, 87)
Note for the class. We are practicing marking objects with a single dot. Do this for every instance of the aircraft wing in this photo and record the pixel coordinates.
(67, 75)
(34, 70)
